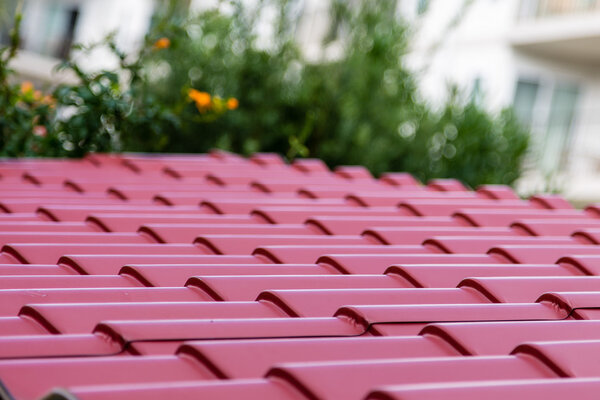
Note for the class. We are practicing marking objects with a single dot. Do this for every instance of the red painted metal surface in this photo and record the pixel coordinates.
(219, 276)
(178, 275)
(222, 357)
(322, 380)
(547, 389)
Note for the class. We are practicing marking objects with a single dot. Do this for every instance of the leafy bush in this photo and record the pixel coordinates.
(25, 113)
(107, 111)
(104, 111)
(362, 107)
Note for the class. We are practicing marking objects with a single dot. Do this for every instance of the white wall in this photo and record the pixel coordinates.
(444, 51)
(130, 19)
(97, 18)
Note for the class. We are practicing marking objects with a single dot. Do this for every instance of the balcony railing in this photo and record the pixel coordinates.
(535, 9)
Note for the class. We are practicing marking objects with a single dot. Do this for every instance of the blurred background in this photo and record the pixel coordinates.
(488, 91)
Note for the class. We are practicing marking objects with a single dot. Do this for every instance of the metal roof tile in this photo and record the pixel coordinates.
(73, 318)
(125, 222)
(543, 253)
(223, 356)
(50, 373)
(553, 227)
(378, 263)
(418, 234)
(346, 225)
(497, 217)
(40, 253)
(247, 288)
(547, 389)
(263, 389)
(102, 264)
(481, 244)
(310, 253)
(43, 346)
(499, 338)
(325, 302)
(178, 275)
(242, 244)
(12, 300)
(322, 380)
(393, 318)
(186, 233)
(528, 289)
(450, 275)
(180, 330)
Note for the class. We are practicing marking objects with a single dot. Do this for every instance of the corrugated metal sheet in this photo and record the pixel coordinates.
(216, 276)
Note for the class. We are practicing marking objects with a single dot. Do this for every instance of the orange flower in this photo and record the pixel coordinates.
(26, 87)
(232, 103)
(162, 43)
(37, 95)
(202, 99)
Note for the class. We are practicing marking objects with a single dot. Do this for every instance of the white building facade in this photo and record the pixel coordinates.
(50, 27)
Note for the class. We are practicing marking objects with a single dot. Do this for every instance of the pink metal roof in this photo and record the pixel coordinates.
(216, 276)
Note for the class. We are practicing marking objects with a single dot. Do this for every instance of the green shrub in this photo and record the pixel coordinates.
(360, 108)
(104, 111)
(25, 113)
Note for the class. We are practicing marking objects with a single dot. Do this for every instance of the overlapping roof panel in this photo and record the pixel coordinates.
(217, 276)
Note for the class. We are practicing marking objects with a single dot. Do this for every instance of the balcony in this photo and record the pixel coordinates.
(562, 30)
(539, 9)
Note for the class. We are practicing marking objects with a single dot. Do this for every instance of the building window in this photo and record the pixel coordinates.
(548, 108)
(558, 128)
(49, 27)
(477, 91)
(524, 101)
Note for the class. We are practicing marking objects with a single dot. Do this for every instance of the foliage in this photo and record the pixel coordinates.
(219, 54)
(25, 114)
(104, 114)
(362, 107)
(103, 111)
(357, 105)
(476, 146)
